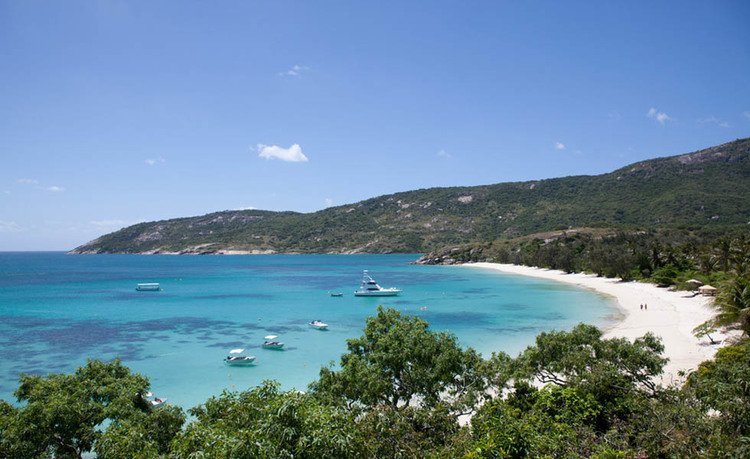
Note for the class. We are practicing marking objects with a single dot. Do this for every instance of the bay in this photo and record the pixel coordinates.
(58, 310)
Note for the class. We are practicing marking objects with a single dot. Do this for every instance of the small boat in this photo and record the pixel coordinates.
(236, 359)
(336, 294)
(371, 288)
(271, 343)
(150, 287)
(318, 324)
(155, 401)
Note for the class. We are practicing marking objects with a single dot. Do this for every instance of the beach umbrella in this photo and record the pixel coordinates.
(693, 281)
(707, 290)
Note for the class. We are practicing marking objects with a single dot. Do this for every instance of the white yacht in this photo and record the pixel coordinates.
(235, 358)
(271, 343)
(318, 324)
(371, 288)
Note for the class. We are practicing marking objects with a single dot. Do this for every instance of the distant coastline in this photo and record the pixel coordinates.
(671, 315)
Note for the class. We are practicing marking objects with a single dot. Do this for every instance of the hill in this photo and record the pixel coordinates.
(704, 188)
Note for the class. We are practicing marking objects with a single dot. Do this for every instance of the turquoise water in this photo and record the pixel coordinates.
(57, 310)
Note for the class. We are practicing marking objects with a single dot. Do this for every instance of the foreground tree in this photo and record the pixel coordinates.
(594, 390)
(64, 415)
(399, 360)
(723, 384)
(406, 384)
(265, 422)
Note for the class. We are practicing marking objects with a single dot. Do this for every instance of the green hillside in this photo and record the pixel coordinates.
(704, 188)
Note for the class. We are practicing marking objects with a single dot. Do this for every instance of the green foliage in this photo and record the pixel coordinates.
(398, 361)
(723, 384)
(733, 304)
(63, 415)
(266, 423)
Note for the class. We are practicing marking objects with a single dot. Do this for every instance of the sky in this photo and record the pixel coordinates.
(118, 112)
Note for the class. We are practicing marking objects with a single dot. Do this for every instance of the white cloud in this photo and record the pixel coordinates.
(329, 202)
(295, 71)
(28, 180)
(55, 189)
(712, 119)
(247, 208)
(559, 146)
(443, 154)
(661, 117)
(9, 227)
(151, 162)
(292, 154)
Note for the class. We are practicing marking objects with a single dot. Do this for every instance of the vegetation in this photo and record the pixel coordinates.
(706, 189)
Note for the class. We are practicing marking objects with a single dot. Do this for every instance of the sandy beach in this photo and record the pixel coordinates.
(672, 315)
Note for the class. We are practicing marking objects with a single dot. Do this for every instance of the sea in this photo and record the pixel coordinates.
(59, 310)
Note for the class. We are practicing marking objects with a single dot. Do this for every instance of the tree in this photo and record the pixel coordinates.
(733, 304)
(615, 371)
(64, 415)
(398, 361)
(265, 422)
(723, 384)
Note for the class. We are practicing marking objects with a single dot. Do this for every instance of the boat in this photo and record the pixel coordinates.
(336, 294)
(318, 324)
(371, 288)
(271, 343)
(236, 359)
(156, 401)
(149, 287)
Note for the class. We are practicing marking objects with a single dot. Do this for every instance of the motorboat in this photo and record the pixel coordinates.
(318, 324)
(148, 287)
(236, 359)
(271, 343)
(156, 401)
(335, 294)
(371, 288)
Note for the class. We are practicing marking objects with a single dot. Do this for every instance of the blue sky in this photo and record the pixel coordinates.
(117, 112)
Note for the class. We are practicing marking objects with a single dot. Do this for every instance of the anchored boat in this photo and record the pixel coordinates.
(236, 359)
(371, 288)
(318, 324)
(271, 343)
(151, 287)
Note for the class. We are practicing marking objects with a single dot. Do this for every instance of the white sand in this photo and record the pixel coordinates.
(672, 315)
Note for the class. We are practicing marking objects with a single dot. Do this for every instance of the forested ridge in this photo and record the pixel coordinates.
(705, 189)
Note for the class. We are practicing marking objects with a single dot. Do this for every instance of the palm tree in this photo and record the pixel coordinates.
(723, 251)
(733, 304)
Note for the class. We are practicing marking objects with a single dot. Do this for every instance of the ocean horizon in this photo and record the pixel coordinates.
(58, 310)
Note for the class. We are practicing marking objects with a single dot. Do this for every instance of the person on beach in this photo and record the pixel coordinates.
(641, 306)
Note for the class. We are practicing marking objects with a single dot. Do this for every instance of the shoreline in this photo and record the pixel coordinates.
(671, 315)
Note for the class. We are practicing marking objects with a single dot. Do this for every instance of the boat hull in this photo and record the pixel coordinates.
(241, 362)
(378, 293)
(148, 287)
